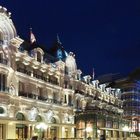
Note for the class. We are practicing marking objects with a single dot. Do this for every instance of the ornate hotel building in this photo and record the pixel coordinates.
(42, 93)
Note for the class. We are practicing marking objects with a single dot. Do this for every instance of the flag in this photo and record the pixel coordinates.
(93, 74)
(32, 37)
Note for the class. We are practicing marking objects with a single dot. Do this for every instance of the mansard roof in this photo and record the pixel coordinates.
(26, 45)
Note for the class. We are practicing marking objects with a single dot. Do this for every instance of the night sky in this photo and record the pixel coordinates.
(104, 34)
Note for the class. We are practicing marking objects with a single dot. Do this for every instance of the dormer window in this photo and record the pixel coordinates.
(38, 56)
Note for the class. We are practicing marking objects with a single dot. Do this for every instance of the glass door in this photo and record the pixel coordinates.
(21, 131)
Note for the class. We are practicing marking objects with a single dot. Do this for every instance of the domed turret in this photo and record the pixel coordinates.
(7, 29)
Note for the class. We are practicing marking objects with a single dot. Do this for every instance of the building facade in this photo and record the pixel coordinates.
(43, 93)
(130, 87)
(101, 113)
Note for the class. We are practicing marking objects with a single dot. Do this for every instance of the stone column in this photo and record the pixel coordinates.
(10, 131)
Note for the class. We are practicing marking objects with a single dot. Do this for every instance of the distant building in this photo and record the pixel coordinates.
(130, 87)
(42, 93)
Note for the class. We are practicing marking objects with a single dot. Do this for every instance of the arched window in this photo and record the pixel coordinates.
(21, 128)
(38, 56)
(20, 117)
(53, 120)
(38, 118)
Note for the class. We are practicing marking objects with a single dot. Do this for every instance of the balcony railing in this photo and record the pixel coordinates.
(24, 71)
(37, 76)
(41, 98)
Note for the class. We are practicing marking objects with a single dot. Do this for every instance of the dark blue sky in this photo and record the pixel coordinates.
(104, 34)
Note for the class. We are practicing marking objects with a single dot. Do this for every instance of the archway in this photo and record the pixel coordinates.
(21, 129)
(53, 130)
(40, 128)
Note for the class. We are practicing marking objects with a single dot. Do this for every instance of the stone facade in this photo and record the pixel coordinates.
(42, 98)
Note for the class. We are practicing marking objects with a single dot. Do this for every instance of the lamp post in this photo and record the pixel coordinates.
(88, 131)
(126, 129)
(41, 127)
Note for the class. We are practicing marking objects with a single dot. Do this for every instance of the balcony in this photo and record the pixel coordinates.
(37, 76)
(49, 100)
(39, 98)
(24, 71)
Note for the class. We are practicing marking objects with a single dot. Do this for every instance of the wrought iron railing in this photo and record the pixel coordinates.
(41, 98)
(37, 76)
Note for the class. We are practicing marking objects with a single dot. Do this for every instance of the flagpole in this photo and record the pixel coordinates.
(30, 34)
(32, 37)
(93, 74)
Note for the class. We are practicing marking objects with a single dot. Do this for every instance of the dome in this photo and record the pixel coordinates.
(7, 29)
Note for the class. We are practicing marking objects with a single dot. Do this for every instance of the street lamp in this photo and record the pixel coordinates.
(41, 127)
(88, 129)
(126, 129)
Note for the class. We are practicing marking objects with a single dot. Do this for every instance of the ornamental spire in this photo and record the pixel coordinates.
(32, 37)
(58, 39)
